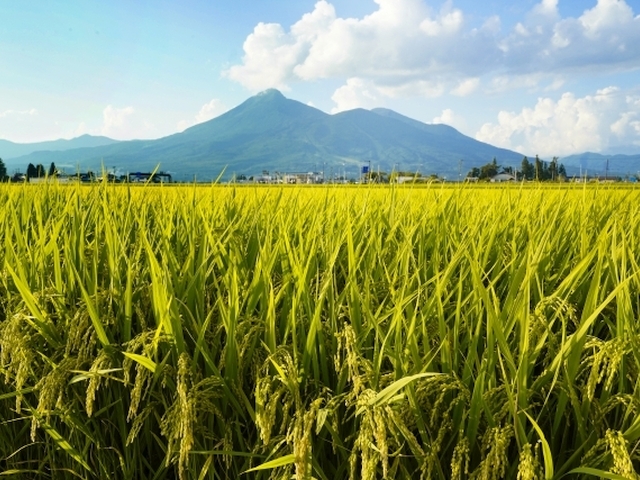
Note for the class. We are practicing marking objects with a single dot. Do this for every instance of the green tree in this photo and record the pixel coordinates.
(32, 172)
(52, 169)
(3, 171)
(538, 169)
(378, 177)
(562, 172)
(489, 170)
(553, 169)
(527, 169)
(474, 172)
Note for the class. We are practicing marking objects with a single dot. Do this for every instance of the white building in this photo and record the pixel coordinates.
(503, 177)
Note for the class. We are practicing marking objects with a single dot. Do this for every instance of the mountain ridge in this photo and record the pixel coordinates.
(271, 132)
(600, 163)
(9, 149)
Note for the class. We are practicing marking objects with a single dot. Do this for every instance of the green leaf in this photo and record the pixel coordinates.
(596, 473)
(15, 393)
(146, 362)
(93, 313)
(39, 320)
(278, 462)
(384, 396)
(61, 441)
(546, 451)
(82, 376)
(633, 432)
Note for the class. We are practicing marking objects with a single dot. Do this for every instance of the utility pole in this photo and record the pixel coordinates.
(460, 170)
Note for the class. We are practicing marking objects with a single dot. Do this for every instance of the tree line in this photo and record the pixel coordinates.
(33, 171)
(38, 171)
(538, 170)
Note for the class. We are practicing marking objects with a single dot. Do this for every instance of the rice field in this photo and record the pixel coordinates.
(324, 332)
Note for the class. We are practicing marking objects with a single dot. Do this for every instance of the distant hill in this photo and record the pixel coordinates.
(10, 150)
(271, 132)
(595, 164)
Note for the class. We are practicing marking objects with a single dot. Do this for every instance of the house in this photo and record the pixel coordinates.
(289, 177)
(417, 179)
(60, 178)
(503, 177)
(148, 177)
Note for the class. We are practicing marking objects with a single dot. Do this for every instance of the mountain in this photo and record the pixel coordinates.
(271, 132)
(10, 150)
(594, 164)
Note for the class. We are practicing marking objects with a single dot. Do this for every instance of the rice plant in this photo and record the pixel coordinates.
(319, 332)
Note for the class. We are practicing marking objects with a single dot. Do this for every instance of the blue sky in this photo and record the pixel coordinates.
(552, 77)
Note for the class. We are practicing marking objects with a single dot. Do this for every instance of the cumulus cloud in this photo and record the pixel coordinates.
(356, 93)
(208, 111)
(126, 123)
(365, 93)
(570, 124)
(603, 36)
(403, 42)
(271, 54)
(116, 121)
(466, 87)
(406, 48)
(449, 117)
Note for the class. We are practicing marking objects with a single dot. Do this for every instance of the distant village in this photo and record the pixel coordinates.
(38, 174)
(491, 172)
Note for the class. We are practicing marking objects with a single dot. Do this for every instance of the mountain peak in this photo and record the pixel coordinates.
(270, 93)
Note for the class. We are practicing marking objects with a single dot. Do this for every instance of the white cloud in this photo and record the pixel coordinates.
(447, 23)
(118, 122)
(568, 125)
(466, 87)
(492, 24)
(127, 124)
(208, 111)
(546, 8)
(364, 93)
(448, 117)
(16, 113)
(400, 44)
(357, 93)
(602, 37)
(606, 16)
(270, 54)
(404, 42)
(211, 110)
